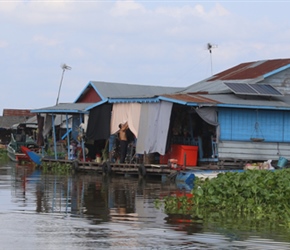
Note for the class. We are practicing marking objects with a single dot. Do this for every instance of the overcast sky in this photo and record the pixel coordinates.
(137, 42)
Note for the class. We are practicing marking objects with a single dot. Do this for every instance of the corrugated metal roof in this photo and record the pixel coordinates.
(190, 98)
(66, 108)
(231, 100)
(124, 90)
(7, 121)
(251, 72)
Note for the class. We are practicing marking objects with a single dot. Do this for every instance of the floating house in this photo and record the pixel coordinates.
(246, 109)
(102, 106)
(238, 115)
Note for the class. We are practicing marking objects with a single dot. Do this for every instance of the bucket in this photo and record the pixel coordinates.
(282, 162)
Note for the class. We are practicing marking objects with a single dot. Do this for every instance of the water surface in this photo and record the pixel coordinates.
(89, 211)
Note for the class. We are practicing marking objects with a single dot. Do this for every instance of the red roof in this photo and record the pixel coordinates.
(17, 112)
(250, 70)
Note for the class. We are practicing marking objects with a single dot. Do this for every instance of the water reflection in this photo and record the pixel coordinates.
(96, 197)
(89, 211)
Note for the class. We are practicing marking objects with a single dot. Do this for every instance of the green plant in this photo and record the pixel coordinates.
(257, 196)
(56, 168)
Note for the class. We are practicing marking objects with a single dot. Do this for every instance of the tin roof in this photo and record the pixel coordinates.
(250, 72)
(107, 90)
(8, 121)
(66, 108)
(231, 100)
(188, 98)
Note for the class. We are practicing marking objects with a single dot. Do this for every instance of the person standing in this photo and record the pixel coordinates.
(123, 140)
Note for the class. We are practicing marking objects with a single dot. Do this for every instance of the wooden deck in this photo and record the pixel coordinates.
(140, 169)
(117, 168)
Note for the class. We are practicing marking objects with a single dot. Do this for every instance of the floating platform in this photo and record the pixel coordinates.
(141, 169)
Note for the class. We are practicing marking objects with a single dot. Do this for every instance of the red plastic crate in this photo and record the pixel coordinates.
(179, 152)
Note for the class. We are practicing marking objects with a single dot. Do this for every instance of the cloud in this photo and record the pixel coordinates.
(148, 42)
(126, 8)
(38, 39)
(3, 44)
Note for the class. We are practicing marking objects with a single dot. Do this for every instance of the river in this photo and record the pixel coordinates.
(89, 211)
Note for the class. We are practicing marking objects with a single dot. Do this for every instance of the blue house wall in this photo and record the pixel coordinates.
(244, 124)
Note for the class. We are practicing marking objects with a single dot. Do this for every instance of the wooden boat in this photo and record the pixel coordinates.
(32, 155)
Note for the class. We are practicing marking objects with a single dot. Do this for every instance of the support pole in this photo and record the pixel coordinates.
(67, 132)
(54, 137)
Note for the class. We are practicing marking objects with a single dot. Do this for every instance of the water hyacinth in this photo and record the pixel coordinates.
(256, 196)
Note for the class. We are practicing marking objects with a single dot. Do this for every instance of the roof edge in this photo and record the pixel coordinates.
(276, 71)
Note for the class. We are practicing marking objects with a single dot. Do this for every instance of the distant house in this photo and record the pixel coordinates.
(101, 106)
(11, 117)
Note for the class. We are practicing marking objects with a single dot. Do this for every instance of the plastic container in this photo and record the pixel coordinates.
(185, 177)
(282, 162)
(185, 155)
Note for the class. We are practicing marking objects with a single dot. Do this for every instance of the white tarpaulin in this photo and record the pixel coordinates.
(126, 112)
(153, 127)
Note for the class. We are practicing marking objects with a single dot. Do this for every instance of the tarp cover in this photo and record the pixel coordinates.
(126, 112)
(209, 115)
(99, 122)
(153, 128)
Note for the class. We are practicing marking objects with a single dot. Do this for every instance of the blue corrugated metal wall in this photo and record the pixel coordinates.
(240, 125)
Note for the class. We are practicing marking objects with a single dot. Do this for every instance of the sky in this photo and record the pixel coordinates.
(161, 43)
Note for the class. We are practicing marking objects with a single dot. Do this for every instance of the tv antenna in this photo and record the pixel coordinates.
(64, 68)
(209, 47)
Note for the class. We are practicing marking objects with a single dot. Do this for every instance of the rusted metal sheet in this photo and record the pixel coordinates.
(250, 70)
(17, 112)
(190, 98)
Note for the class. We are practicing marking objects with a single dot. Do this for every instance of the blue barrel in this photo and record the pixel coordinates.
(282, 162)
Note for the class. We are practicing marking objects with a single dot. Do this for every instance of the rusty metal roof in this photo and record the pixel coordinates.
(17, 112)
(190, 98)
(251, 70)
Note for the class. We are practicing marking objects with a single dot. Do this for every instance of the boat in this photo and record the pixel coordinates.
(32, 155)
(21, 135)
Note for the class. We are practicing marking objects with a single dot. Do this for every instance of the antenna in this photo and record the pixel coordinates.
(64, 68)
(209, 47)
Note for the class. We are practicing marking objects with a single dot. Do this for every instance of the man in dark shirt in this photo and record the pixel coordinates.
(123, 141)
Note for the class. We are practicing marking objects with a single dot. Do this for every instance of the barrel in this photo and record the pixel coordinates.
(185, 177)
(282, 162)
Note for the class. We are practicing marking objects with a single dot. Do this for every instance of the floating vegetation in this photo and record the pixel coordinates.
(3, 154)
(249, 199)
(57, 168)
